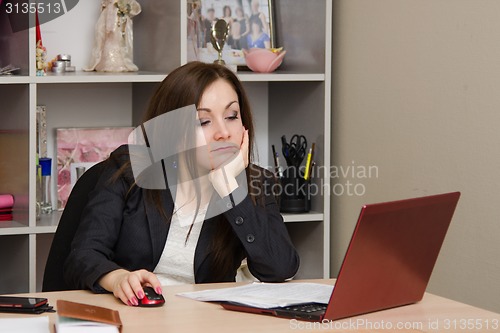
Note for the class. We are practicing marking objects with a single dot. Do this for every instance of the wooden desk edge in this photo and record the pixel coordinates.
(433, 314)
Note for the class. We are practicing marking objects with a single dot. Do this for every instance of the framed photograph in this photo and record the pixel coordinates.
(250, 25)
(80, 148)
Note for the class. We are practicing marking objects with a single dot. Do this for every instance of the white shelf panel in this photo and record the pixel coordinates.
(99, 77)
(14, 79)
(13, 228)
(131, 77)
(49, 220)
(303, 217)
(280, 77)
(45, 230)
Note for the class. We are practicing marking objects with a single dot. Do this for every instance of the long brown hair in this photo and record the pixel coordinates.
(185, 86)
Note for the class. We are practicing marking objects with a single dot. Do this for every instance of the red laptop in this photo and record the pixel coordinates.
(388, 263)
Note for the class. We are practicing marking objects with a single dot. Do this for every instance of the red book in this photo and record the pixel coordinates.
(6, 201)
(5, 217)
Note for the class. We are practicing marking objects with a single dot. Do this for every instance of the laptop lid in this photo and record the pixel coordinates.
(391, 255)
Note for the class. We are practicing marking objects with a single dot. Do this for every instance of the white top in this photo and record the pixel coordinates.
(176, 265)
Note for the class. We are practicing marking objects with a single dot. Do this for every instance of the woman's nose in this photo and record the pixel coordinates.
(221, 131)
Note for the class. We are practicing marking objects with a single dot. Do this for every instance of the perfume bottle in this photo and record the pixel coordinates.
(38, 190)
(79, 172)
(45, 200)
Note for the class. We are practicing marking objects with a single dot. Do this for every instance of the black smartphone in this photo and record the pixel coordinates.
(23, 304)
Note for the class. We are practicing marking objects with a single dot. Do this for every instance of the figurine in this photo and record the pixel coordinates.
(113, 47)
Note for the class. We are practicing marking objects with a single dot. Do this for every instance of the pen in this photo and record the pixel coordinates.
(308, 164)
(277, 163)
(308, 170)
(284, 149)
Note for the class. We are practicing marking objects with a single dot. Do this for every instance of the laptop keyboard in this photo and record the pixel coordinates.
(307, 308)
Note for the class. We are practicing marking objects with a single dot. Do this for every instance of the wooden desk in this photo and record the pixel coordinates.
(179, 314)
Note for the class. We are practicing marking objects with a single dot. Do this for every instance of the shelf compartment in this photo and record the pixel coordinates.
(14, 37)
(43, 243)
(14, 260)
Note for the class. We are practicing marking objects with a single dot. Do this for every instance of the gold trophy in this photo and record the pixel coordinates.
(218, 36)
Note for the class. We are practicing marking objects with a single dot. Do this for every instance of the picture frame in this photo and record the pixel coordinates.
(80, 148)
(242, 16)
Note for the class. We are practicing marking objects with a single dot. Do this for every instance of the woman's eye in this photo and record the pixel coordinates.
(204, 122)
(234, 116)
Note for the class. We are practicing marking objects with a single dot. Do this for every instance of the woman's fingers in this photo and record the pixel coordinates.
(129, 286)
(244, 147)
(148, 278)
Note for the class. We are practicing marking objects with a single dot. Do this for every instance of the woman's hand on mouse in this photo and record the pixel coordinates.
(128, 286)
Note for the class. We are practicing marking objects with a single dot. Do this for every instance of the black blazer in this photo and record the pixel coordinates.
(120, 229)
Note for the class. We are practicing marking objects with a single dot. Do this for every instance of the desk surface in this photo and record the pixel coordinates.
(179, 314)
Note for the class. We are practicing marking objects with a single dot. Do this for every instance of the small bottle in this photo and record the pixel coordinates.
(79, 172)
(38, 191)
(46, 202)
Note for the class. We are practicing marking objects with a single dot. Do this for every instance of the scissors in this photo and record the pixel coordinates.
(295, 150)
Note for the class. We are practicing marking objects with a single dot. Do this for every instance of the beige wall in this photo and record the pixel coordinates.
(416, 93)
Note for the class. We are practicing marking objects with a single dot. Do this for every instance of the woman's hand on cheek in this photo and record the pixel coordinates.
(224, 178)
(244, 147)
(128, 286)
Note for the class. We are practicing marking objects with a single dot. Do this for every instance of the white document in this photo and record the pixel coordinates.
(72, 325)
(25, 325)
(267, 295)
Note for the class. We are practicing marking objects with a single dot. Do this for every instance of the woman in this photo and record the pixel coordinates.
(228, 17)
(257, 37)
(257, 14)
(131, 236)
(239, 30)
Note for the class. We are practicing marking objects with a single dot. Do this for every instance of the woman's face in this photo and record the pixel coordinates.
(220, 133)
(255, 6)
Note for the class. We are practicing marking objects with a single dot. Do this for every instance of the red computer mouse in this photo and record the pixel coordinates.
(151, 298)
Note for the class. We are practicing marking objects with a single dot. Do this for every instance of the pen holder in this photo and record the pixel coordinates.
(295, 196)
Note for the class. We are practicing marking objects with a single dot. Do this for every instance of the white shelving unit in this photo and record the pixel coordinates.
(294, 99)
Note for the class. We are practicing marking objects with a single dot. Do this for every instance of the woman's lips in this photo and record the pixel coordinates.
(223, 148)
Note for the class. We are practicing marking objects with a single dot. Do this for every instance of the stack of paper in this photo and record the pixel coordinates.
(72, 325)
(25, 325)
(267, 295)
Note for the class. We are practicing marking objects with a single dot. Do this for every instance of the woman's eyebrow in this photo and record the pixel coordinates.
(209, 110)
(230, 103)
